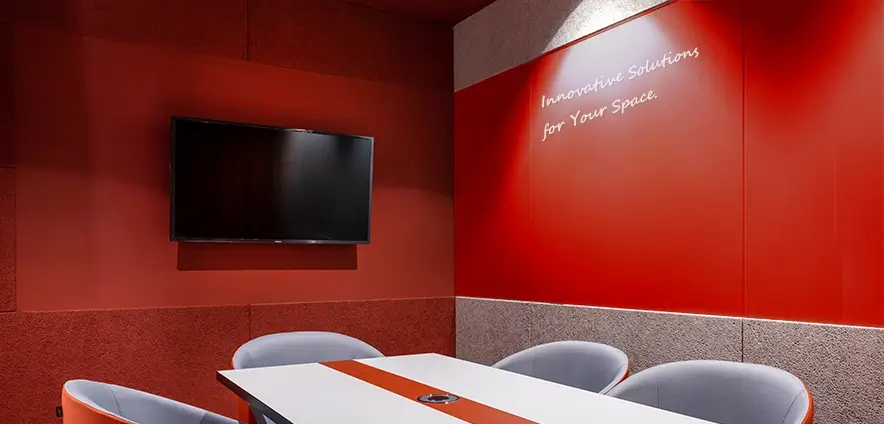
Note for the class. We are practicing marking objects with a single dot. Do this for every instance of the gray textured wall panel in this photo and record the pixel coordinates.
(648, 338)
(490, 330)
(491, 41)
(841, 365)
(511, 32)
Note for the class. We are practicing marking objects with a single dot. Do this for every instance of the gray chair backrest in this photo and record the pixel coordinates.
(585, 365)
(302, 347)
(722, 392)
(130, 405)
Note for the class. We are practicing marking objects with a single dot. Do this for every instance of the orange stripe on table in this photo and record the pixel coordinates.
(463, 409)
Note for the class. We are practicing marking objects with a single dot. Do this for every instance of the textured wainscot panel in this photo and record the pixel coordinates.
(395, 327)
(7, 240)
(7, 131)
(559, 22)
(648, 338)
(489, 330)
(216, 27)
(7, 175)
(349, 40)
(840, 365)
(511, 32)
(492, 41)
(172, 352)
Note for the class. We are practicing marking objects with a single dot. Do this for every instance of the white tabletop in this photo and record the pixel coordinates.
(316, 393)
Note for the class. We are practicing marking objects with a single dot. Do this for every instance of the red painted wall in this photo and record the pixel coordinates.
(93, 287)
(745, 179)
(7, 182)
(92, 149)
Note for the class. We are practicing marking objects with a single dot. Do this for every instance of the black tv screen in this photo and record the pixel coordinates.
(248, 183)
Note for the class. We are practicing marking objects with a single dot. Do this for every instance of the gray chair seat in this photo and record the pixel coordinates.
(301, 347)
(722, 392)
(87, 401)
(585, 365)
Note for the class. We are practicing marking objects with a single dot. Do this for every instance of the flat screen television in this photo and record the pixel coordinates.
(236, 182)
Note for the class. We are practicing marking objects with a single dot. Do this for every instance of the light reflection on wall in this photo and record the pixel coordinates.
(511, 32)
(643, 40)
(586, 18)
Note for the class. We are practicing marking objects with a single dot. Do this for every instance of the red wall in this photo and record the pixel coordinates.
(749, 184)
(92, 150)
(95, 288)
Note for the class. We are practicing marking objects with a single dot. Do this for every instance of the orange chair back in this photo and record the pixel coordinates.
(77, 412)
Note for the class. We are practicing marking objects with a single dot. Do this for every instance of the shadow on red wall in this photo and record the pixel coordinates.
(223, 256)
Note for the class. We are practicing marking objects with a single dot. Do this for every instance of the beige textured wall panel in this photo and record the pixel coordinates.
(840, 365)
(493, 40)
(648, 338)
(489, 330)
(509, 33)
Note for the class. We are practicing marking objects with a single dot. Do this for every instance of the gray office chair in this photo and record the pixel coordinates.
(86, 402)
(722, 392)
(301, 347)
(589, 366)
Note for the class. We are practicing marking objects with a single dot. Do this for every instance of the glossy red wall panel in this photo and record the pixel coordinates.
(640, 207)
(673, 205)
(491, 209)
(814, 160)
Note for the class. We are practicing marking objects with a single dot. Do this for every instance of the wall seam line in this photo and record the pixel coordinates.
(248, 36)
(743, 176)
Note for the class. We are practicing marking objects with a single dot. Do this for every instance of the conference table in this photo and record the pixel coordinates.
(427, 389)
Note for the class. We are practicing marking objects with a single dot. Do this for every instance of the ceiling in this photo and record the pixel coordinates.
(448, 11)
